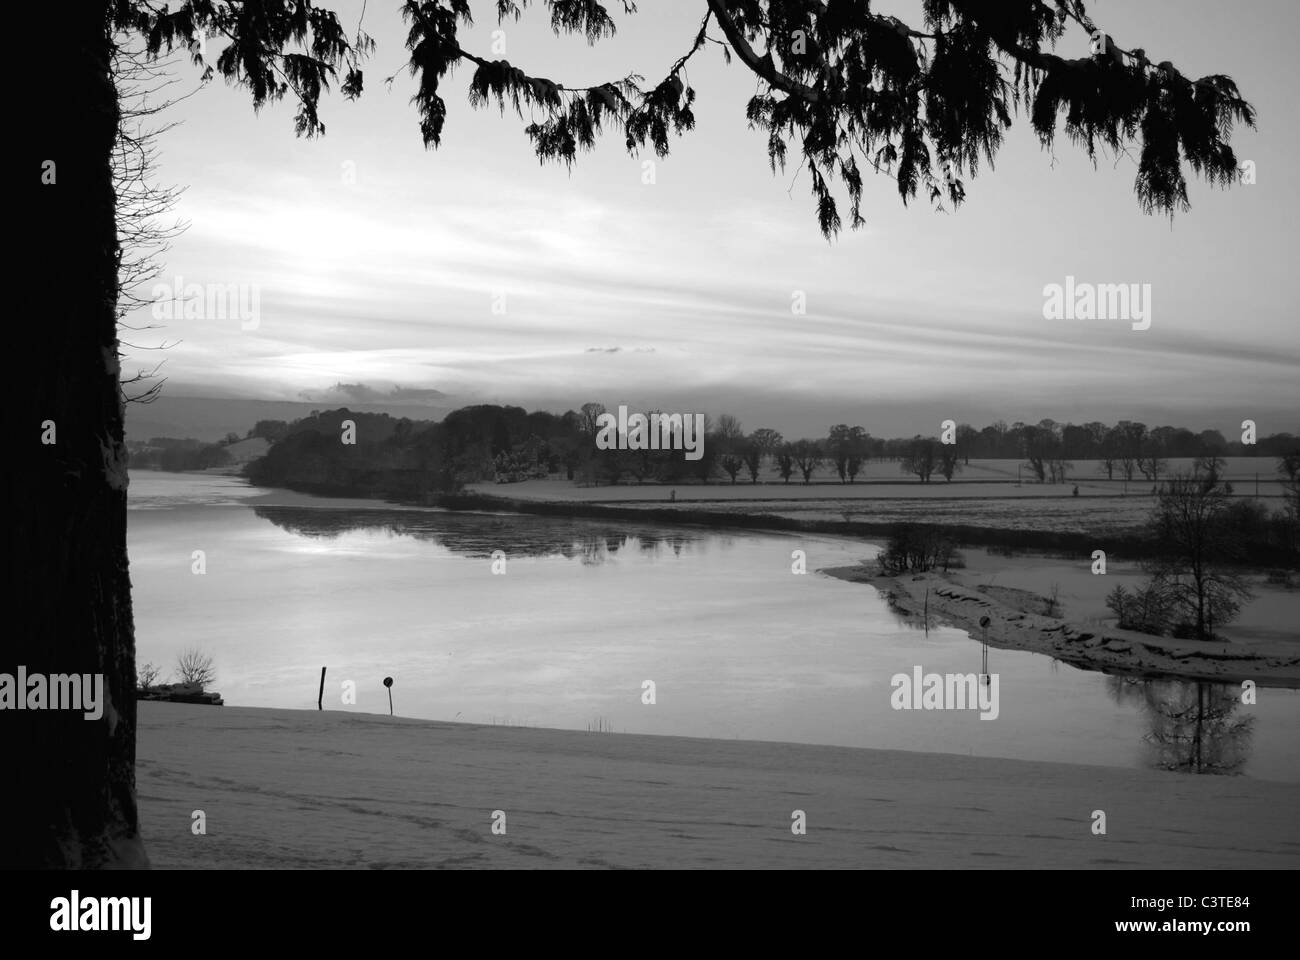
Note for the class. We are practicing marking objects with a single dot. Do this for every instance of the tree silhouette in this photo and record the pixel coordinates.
(850, 91)
(1198, 538)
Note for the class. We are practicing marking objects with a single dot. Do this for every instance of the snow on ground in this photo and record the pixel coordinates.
(1265, 655)
(306, 789)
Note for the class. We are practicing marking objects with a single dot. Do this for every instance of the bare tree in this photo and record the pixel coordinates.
(145, 229)
(768, 441)
(147, 675)
(1058, 467)
(808, 456)
(587, 417)
(195, 667)
(847, 449)
(785, 461)
(916, 548)
(966, 438)
(1151, 463)
(1042, 445)
(1209, 468)
(921, 458)
(762, 443)
(1127, 464)
(730, 438)
(949, 461)
(729, 431)
(1146, 609)
(1130, 438)
(1196, 541)
(731, 464)
(1288, 467)
(1106, 441)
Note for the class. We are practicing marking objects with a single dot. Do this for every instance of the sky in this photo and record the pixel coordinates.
(475, 271)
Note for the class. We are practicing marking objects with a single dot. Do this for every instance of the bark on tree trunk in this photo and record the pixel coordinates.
(73, 783)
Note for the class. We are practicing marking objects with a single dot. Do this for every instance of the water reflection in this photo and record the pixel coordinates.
(477, 535)
(1184, 726)
(1192, 727)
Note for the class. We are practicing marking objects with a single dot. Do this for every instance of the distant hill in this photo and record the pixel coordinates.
(211, 418)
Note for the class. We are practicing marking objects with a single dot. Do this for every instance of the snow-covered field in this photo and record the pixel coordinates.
(987, 493)
(884, 479)
(303, 789)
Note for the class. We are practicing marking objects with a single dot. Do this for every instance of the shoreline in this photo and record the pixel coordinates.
(1089, 645)
(687, 513)
(307, 789)
(1092, 647)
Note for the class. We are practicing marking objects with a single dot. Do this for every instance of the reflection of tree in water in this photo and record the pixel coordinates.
(1192, 725)
(477, 535)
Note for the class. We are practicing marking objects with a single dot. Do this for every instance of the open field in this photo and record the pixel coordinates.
(986, 494)
(1097, 516)
(306, 789)
(879, 479)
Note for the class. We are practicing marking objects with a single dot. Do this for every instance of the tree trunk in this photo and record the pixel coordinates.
(73, 777)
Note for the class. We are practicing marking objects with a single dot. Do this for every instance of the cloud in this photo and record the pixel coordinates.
(363, 393)
(402, 394)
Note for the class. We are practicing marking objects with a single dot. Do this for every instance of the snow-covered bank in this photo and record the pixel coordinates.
(958, 599)
(288, 788)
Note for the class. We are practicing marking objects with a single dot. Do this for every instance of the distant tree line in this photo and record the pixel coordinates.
(509, 444)
(166, 453)
(1048, 449)
(414, 458)
(399, 456)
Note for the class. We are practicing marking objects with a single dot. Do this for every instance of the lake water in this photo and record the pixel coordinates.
(586, 611)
